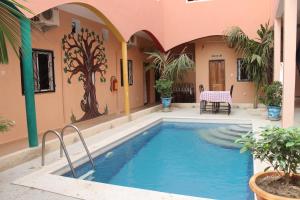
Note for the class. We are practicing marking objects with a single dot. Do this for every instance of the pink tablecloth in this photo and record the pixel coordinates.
(216, 96)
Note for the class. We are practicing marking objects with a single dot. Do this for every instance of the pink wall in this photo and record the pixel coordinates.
(174, 22)
(206, 48)
(171, 22)
(297, 85)
(128, 16)
(188, 21)
(54, 109)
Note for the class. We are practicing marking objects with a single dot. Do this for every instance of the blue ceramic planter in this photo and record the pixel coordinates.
(166, 102)
(274, 112)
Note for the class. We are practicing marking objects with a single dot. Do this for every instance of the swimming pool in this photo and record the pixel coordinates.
(175, 158)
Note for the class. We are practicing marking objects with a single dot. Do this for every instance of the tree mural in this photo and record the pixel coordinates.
(85, 55)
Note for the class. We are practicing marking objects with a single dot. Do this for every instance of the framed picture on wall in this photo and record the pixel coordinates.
(130, 72)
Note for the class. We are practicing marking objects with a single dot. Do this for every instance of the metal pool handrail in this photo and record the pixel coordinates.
(63, 146)
(82, 141)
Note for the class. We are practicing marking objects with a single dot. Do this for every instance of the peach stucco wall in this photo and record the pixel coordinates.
(128, 17)
(297, 85)
(55, 109)
(174, 22)
(206, 48)
(184, 22)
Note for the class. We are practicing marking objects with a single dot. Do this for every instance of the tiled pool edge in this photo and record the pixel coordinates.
(43, 180)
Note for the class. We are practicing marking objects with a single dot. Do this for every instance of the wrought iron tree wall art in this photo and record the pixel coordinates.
(84, 55)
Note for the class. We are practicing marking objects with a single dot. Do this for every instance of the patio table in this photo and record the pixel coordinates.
(215, 97)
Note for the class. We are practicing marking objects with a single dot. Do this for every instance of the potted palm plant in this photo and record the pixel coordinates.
(280, 148)
(164, 88)
(170, 68)
(272, 98)
(257, 54)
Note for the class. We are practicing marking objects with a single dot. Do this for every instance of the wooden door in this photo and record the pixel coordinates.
(217, 75)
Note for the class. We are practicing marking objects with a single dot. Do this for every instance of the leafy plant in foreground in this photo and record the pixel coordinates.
(278, 146)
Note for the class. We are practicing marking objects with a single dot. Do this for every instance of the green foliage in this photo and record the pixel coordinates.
(169, 66)
(272, 94)
(257, 53)
(278, 146)
(164, 87)
(5, 125)
(10, 27)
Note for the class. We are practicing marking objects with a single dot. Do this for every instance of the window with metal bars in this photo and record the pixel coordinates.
(43, 71)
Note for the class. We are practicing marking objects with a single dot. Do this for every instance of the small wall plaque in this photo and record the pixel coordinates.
(217, 56)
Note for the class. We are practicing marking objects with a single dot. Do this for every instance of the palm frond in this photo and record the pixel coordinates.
(10, 27)
(238, 40)
(178, 66)
(258, 53)
(169, 66)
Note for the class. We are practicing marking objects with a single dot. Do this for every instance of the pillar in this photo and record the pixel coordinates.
(28, 81)
(277, 48)
(289, 59)
(125, 78)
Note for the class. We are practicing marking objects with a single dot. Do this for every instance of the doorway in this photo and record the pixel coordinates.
(217, 75)
(157, 95)
(147, 79)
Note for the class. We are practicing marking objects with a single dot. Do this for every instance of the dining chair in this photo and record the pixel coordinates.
(201, 88)
(229, 106)
(231, 90)
(202, 103)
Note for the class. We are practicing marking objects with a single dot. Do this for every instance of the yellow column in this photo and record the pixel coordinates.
(277, 48)
(289, 59)
(125, 77)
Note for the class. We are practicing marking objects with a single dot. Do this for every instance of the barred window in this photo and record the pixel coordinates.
(43, 71)
(242, 74)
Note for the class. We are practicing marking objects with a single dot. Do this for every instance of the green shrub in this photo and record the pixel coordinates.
(5, 125)
(278, 146)
(164, 87)
(272, 94)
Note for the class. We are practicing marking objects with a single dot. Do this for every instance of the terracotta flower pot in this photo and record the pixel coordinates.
(260, 193)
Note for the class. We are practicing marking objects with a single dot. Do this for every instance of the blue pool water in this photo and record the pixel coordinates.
(171, 157)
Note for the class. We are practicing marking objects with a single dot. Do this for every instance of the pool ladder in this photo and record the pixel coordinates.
(63, 148)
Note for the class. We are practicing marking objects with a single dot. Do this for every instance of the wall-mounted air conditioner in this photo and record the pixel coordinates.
(47, 20)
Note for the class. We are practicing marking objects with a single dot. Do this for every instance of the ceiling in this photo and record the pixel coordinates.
(86, 13)
(81, 11)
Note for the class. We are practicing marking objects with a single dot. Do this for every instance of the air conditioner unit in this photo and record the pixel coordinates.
(47, 20)
(132, 42)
